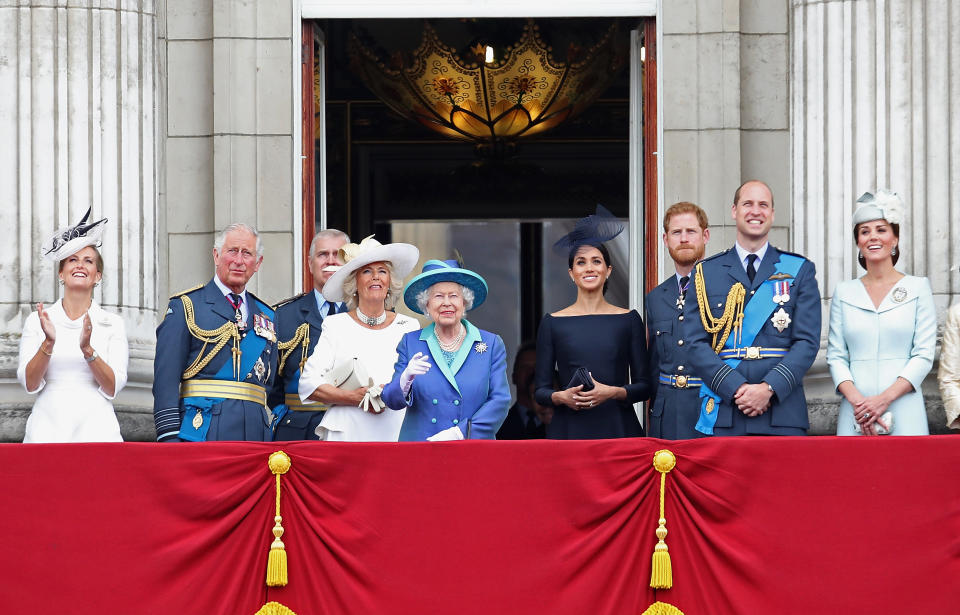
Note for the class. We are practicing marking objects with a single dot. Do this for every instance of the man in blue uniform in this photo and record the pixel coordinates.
(217, 352)
(299, 320)
(753, 328)
(674, 406)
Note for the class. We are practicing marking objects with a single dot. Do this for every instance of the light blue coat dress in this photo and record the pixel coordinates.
(472, 394)
(873, 346)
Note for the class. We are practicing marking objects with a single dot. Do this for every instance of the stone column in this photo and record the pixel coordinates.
(77, 129)
(872, 95)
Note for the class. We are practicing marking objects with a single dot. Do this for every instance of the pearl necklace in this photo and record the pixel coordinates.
(371, 321)
(451, 346)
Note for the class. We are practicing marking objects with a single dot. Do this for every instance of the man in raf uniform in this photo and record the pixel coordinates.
(299, 321)
(217, 352)
(674, 406)
(753, 328)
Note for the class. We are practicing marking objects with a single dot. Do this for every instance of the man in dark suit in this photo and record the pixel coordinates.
(217, 352)
(299, 321)
(753, 328)
(526, 419)
(674, 405)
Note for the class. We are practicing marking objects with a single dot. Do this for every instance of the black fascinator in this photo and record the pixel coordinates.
(590, 231)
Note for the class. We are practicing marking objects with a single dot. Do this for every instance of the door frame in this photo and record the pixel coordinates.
(646, 175)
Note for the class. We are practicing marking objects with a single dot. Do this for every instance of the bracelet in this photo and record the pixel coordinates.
(49, 354)
(91, 358)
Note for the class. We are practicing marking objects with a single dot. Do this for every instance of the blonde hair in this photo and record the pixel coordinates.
(393, 293)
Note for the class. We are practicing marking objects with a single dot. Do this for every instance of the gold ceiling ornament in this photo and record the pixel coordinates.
(523, 91)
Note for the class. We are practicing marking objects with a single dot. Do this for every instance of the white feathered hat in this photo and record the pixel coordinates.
(402, 256)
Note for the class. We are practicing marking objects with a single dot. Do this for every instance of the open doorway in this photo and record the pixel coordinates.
(373, 171)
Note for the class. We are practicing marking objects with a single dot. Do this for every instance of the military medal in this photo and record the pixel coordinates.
(781, 291)
(260, 369)
(198, 420)
(780, 320)
(238, 315)
(263, 327)
(899, 294)
(480, 347)
(682, 296)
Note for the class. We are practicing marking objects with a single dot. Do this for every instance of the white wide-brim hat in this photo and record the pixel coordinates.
(71, 239)
(402, 256)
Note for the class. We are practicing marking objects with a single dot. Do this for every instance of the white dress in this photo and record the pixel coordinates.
(343, 338)
(70, 406)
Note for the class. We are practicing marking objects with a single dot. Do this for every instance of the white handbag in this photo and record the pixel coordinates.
(350, 374)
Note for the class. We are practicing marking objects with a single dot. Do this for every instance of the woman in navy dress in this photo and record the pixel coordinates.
(607, 340)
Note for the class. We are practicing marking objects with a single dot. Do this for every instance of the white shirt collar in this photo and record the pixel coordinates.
(743, 253)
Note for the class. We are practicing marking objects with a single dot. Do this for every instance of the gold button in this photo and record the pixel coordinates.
(680, 317)
(679, 342)
(752, 291)
(679, 368)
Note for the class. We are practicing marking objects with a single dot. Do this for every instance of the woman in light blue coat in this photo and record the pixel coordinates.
(883, 330)
(450, 376)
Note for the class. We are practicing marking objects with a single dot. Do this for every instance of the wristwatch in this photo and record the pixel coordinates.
(92, 357)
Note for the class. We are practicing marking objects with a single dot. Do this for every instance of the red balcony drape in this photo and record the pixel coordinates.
(756, 525)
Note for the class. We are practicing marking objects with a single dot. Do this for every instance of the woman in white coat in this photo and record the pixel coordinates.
(883, 330)
(73, 354)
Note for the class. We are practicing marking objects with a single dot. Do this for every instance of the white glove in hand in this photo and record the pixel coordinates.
(451, 433)
(371, 401)
(417, 366)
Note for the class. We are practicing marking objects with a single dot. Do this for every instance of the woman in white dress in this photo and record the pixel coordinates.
(73, 354)
(883, 330)
(371, 283)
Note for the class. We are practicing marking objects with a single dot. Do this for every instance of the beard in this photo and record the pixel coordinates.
(687, 255)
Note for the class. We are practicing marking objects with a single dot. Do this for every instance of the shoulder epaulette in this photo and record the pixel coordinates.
(792, 254)
(713, 256)
(260, 301)
(290, 300)
(187, 292)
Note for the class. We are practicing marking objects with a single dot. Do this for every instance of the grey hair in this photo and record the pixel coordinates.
(330, 233)
(237, 226)
(393, 293)
(424, 296)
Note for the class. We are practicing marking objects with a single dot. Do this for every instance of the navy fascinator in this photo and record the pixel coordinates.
(590, 231)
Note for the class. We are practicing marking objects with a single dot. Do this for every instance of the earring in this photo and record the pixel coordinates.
(60, 281)
(893, 252)
(859, 255)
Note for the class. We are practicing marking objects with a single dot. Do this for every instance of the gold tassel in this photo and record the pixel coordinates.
(662, 608)
(279, 463)
(661, 574)
(274, 608)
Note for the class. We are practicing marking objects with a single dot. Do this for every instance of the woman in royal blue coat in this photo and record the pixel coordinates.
(450, 376)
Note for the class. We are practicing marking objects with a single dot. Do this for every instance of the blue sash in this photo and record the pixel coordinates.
(251, 347)
(755, 315)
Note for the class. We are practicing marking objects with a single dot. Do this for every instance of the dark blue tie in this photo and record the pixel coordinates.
(751, 266)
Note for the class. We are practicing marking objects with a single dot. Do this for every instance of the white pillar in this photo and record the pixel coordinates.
(77, 129)
(872, 95)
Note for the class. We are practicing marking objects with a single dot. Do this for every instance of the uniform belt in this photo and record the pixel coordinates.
(751, 353)
(680, 381)
(292, 400)
(227, 389)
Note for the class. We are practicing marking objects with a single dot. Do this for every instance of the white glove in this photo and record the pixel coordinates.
(371, 401)
(451, 433)
(417, 366)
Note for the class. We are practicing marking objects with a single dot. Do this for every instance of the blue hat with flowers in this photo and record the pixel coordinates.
(435, 271)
